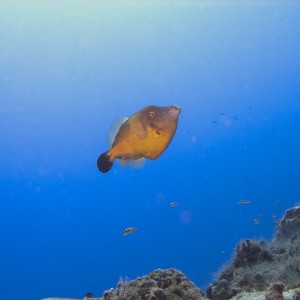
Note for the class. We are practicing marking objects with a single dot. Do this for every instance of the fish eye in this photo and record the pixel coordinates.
(151, 114)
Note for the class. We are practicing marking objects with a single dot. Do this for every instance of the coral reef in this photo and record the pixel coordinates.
(168, 284)
(289, 226)
(276, 292)
(286, 295)
(258, 271)
(257, 266)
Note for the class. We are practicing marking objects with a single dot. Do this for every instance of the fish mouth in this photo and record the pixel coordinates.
(175, 110)
(176, 106)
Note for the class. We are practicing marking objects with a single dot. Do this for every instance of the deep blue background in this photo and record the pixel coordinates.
(68, 69)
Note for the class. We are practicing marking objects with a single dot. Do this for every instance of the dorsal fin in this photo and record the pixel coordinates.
(114, 129)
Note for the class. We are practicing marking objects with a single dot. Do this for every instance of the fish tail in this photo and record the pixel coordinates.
(104, 163)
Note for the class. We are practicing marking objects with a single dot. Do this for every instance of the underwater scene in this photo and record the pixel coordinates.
(142, 136)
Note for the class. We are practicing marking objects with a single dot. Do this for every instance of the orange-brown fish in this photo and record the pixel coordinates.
(146, 134)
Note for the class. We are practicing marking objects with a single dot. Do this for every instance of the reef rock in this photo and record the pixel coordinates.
(168, 284)
(263, 267)
(289, 226)
(258, 271)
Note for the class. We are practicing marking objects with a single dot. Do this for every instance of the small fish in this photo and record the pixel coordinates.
(146, 134)
(173, 204)
(256, 221)
(244, 201)
(129, 230)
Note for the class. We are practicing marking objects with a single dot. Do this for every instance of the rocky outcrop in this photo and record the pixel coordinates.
(258, 271)
(259, 266)
(289, 226)
(168, 284)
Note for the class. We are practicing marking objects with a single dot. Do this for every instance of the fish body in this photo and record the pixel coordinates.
(129, 230)
(244, 201)
(173, 204)
(146, 134)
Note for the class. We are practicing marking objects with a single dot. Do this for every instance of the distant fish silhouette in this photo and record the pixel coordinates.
(244, 201)
(129, 230)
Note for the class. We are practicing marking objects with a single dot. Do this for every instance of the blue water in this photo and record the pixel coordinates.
(68, 69)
